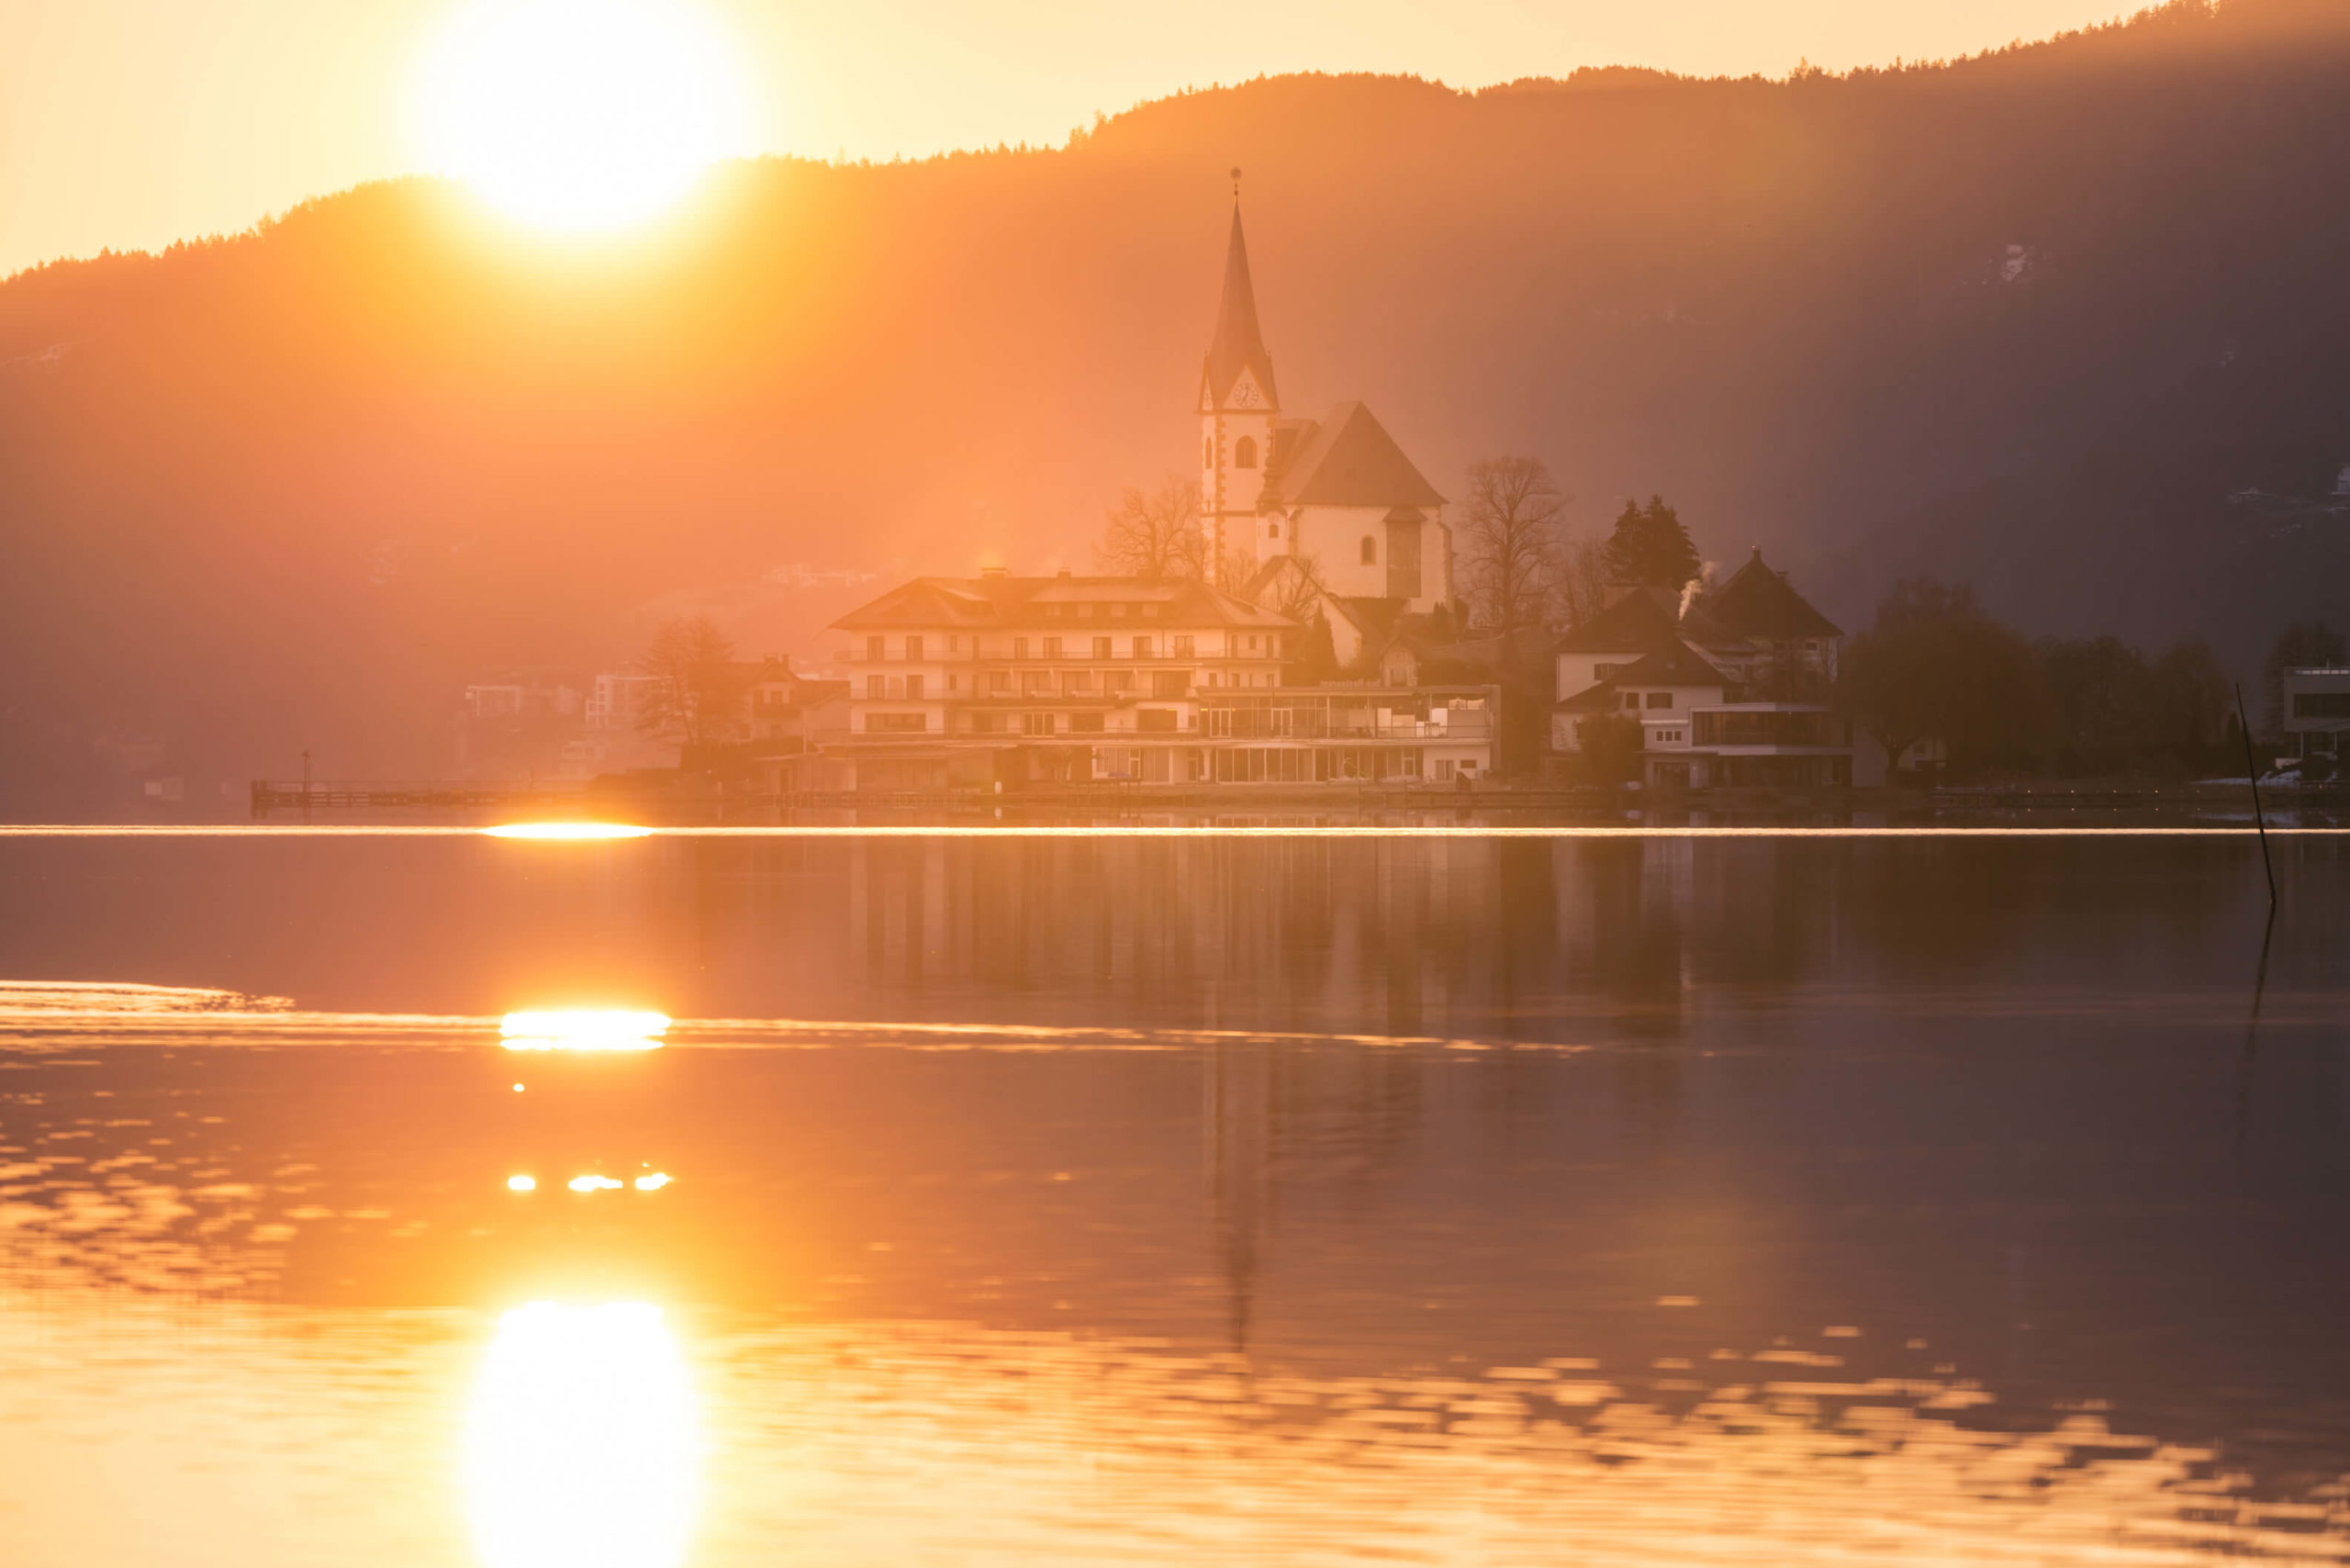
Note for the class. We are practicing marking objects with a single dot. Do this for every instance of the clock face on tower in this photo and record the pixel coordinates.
(1245, 396)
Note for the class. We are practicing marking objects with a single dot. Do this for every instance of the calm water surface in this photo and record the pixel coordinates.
(1115, 1200)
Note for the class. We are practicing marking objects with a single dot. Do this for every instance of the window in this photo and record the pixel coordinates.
(1019, 647)
(1218, 720)
(953, 643)
(1036, 724)
(1207, 452)
(1632, 699)
(2322, 704)
(1170, 682)
(1077, 683)
(1000, 682)
(1607, 672)
(1370, 551)
(953, 683)
(876, 688)
(1035, 682)
(1142, 646)
(896, 723)
(913, 689)
(1659, 699)
(1243, 453)
(1085, 723)
(1182, 645)
(1118, 680)
(1272, 530)
(873, 650)
(1052, 647)
(913, 650)
(987, 723)
(1100, 647)
(1154, 720)
(1252, 642)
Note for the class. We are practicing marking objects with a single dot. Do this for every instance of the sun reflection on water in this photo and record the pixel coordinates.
(567, 831)
(584, 1029)
(583, 1447)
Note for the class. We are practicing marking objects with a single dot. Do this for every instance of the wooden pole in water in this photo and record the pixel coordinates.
(2252, 776)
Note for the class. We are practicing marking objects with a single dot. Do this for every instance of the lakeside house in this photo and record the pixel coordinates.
(2316, 715)
(1727, 688)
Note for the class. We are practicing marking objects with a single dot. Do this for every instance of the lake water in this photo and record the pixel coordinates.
(1109, 1199)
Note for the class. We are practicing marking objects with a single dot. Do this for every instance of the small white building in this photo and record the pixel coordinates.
(2317, 716)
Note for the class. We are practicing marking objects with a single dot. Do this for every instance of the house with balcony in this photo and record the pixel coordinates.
(1728, 687)
(998, 681)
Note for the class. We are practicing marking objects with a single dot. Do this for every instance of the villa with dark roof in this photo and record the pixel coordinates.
(1727, 687)
(1337, 489)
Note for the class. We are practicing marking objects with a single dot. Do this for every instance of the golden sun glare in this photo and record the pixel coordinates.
(582, 114)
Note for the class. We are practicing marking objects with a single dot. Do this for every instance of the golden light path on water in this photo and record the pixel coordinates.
(610, 831)
(584, 1029)
(582, 1448)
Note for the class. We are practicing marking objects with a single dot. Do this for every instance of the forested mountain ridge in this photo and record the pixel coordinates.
(2025, 320)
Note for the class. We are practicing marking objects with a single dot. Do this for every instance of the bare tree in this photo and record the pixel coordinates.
(1510, 543)
(696, 684)
(1297, 592)
(1578, 581)
(1155, 533)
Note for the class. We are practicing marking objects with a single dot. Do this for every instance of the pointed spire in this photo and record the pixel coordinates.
(1238, 344)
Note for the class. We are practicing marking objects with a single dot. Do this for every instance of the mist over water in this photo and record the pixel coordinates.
(1476, 1200)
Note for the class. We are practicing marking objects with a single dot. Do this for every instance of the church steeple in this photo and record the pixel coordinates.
(1239, 415)
(1238, 347)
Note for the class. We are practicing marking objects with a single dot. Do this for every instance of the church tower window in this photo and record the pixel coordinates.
(1243, 453)
(1272, 530)
(1207, 452)
(1370, 551)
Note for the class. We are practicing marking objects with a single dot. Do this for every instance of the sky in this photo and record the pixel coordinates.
(128, 124)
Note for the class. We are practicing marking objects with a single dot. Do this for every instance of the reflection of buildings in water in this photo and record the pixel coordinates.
(1280, 1118)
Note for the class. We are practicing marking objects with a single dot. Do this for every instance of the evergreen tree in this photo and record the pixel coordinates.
(1650, 547)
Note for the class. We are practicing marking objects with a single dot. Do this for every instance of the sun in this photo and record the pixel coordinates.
(581, 115)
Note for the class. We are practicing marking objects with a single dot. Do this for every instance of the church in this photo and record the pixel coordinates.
(1335, 492)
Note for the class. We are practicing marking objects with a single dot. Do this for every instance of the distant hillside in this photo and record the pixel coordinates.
(2026, 320)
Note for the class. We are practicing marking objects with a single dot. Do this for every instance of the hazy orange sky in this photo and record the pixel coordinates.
(130, 123)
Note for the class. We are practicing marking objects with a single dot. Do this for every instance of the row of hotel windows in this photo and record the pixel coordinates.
(1178, 646)
(1149, 721)
(998, 683)
(1030, 683)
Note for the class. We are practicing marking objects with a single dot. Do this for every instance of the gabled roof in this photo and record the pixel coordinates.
(1640, 622)
(1237, 345)
(1676, 664)
(1599, 699)
(1757, 602)
(1347, 460)
(1071, 604)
